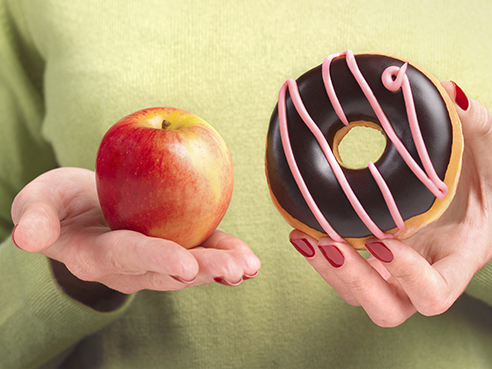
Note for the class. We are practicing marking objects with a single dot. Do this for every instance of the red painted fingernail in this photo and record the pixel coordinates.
(380, 251)
(304, 247)
(250, 276)
(225, 282)
(333, 255)
(461, 98)
(13, 237)
(179, 279)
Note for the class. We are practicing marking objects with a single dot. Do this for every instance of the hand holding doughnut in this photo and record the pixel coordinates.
(428, 271)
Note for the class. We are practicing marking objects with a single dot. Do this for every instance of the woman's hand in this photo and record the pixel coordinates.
(58, 215)
(430, 270)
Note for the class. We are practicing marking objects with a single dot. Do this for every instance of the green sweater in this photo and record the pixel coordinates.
(70, 69)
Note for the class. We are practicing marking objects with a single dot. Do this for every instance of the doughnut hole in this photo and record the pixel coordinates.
(358, 144)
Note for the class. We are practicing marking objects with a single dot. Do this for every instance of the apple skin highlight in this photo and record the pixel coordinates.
(171, 180)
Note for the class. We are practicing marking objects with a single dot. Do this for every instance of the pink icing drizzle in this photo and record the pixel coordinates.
(428, 176)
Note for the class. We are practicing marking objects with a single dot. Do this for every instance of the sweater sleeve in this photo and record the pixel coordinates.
(480, 286)
(38, 321)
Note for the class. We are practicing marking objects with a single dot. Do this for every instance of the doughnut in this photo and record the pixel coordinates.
(408, 187)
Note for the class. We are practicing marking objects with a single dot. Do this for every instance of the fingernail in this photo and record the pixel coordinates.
(225, 282)
(250, 276)
(461, 98)
(333, 255)
(380, 251)
(179, 279)
(13, 237)
(304, 247)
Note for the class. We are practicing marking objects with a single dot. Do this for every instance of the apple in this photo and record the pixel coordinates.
(166, 173)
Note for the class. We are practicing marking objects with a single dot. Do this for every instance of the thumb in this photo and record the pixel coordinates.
(476, 124)
(37, 224)
(40, 206)
(475, 118)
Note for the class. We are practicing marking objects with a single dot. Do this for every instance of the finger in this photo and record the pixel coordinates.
(303, 243)
(475, 118)
(38, 209)
(384, 302)
(149, 281)
(129, 262)
(432, 289)
(379, 267)
(222, 258)
(326, 267)
(220, 266)
(249, 262)
(37, 227)
(95, 253)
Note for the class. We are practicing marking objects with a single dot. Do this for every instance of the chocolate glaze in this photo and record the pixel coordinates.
(411, 196)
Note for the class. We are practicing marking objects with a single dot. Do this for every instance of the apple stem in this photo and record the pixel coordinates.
(165, 124)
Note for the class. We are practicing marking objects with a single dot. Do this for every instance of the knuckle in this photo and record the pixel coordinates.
(127, 290)
(188, 270)
(156, 282)
(82, 273)
(114, 260)
(153, 283)
(394, 316)
(226, 267)
(407, 272)
(230, 269)
(351, 300)
(481, 124)
(390, 320)
(484, 121)
(228, 242)
(183, 265)
(357, 286)
(119, 267)
(241, 246)
(435, 306)
(121, 284)
(79, 266)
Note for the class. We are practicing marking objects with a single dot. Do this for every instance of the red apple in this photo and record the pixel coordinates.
(166, 173)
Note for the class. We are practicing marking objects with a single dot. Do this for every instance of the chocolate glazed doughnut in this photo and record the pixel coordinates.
(410, 185)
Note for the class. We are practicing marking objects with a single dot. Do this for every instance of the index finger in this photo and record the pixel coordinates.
(94, 253)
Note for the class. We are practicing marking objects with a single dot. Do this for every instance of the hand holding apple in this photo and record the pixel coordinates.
(58, 215)
(166, 173)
